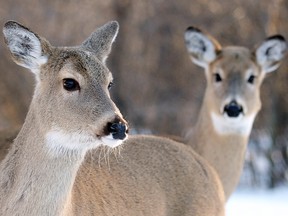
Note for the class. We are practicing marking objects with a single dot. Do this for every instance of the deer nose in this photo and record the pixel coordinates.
(118, 130)
(233, 109)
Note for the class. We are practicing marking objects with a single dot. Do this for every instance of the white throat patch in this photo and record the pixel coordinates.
(225, 125)
(61, 142)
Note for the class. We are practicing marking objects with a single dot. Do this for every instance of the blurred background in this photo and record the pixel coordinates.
(157, 88)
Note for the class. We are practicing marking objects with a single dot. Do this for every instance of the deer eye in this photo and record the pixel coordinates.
(70, 85)
(217, 77)
(110, 85)
(251, 79)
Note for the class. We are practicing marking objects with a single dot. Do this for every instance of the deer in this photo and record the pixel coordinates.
(54, 164)
(234, 75)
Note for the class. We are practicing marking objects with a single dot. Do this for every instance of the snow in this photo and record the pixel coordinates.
(258, 202)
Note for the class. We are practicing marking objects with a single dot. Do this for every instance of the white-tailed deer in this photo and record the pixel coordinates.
(232, 99)
(46, 171)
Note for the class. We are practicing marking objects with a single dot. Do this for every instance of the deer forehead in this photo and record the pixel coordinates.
(235, 61)
(78, 64)
(235, 56)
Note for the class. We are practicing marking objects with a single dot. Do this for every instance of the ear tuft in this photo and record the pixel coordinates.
(270, 53)
(276, 37)
(202, 48)
(100, 41)
(193, 29)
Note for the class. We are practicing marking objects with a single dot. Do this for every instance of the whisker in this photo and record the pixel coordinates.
(108, 159)
(99, 157)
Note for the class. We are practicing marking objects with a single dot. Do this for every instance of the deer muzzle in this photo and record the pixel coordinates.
(233, 109)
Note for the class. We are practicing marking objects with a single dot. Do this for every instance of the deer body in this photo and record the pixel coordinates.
(153, 176)
(53, 165)
(232, 99)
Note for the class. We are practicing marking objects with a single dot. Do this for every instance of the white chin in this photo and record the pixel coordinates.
(233, 120)
(111, 142)
(225, 125)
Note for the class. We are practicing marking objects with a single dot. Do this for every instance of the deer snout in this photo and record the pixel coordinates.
(233, 109)
(118, 128)
(116, 132)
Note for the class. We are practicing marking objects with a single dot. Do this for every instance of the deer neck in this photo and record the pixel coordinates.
(224, 152)
(33, 181)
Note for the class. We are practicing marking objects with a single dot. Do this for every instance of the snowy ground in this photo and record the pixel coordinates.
(258, 203)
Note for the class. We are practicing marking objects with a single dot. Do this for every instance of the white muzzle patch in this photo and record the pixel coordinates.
(225, 125)
(111, 142)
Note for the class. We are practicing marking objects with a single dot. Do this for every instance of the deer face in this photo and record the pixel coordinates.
(71, 103)
(234, 76)
(233, 84)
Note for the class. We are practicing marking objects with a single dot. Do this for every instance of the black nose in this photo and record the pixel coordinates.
(233, 109)
(118, 130)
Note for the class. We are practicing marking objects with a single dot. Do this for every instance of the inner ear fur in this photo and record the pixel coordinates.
(270, 53)
(202, 47)
(26, 47)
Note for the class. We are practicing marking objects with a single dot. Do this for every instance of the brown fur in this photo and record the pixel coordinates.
(55, 165)
(151, 176)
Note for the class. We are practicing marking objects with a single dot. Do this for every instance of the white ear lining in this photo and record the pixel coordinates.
(269, 54)
(200, 47)
(25, 46)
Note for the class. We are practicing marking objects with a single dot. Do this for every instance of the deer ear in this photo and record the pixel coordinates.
(24, 45)
(202, 48)
(270, 53)
(101, 40)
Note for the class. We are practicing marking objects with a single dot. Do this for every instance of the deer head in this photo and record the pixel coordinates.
(71, 103)
(234, 75)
